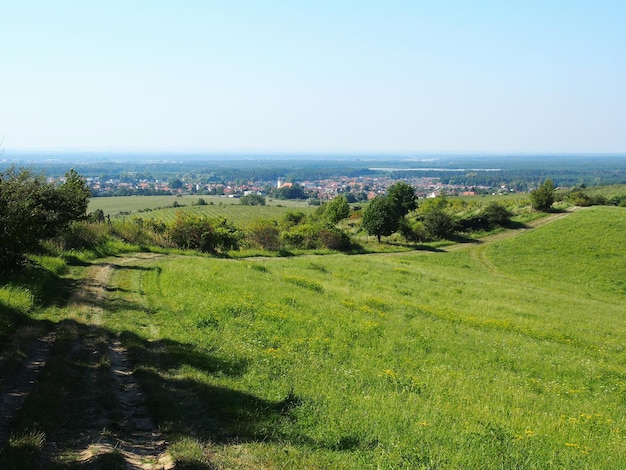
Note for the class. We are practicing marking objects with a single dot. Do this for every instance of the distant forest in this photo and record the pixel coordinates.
(518, 171)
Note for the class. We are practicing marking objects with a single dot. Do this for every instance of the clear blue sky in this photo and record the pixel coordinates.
(313, 76)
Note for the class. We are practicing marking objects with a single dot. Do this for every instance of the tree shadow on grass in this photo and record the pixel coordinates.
(48, 288)
(186, 406)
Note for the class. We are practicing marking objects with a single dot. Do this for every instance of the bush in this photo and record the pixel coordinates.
(203, 234)
(412, 230)
(312, 236)
(333, 239)
(542, 198)
(264, 234)
(82, 236)
(439, 224)
(302, 236)
(252, 200)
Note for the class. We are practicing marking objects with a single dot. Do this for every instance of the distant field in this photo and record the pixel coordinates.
(147, 207)
(494, 356)
(607, 191)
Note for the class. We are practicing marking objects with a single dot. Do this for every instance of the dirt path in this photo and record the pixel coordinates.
(123, 428)
(129, 430)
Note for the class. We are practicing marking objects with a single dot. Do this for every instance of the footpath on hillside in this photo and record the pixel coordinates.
(119, 424)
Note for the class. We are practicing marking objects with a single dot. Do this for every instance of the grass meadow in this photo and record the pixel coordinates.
(503, 355)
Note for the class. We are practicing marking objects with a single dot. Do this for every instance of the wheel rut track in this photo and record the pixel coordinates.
(133, 434)
(19, 388)
(129, 430)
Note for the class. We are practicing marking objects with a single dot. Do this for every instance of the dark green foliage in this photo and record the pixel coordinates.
(81, 235)
(310, 236)
(292, 218)
(439, 224)
(333, 238)
(381, 218)
(579, 198)
(201, 202)
(403, 197)
(97, 216)
(490, 217)
(32, 210)
(618, 200)
(496, 215)
(289, 192)
(203, 234)
(265, 234)
(175, 183)
(302, 236)
(252, 200)
(542, 198)
(412, 230)
(337, 209)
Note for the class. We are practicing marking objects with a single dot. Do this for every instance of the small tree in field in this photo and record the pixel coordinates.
(542, 198)
(380, 218)
(337, 209)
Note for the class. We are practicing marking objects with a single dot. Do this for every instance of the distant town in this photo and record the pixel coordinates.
(355, 189)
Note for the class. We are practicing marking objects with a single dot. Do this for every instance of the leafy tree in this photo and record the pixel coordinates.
(289, 192)
(337, 209)
(403, 197)
(175, 183)
(32, 210)
(252, 200)
(74, 196)
(380, 217)
(542, 198)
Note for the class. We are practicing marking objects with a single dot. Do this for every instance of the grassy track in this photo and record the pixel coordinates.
(501, 355)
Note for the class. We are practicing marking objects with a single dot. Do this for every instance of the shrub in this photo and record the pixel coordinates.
(542, 198)
(302, 236)
(252, 200)
(412, 230)
(203, 234)
(82, 236)
(439, 224)
(265, 234)
(333, 239)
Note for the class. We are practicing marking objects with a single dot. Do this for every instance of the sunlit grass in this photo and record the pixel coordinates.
(453, 360)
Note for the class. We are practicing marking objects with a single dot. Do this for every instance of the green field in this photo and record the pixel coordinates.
(134, 204)
(508, 354)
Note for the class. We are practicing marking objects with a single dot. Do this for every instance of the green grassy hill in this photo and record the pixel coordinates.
(491, 356)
